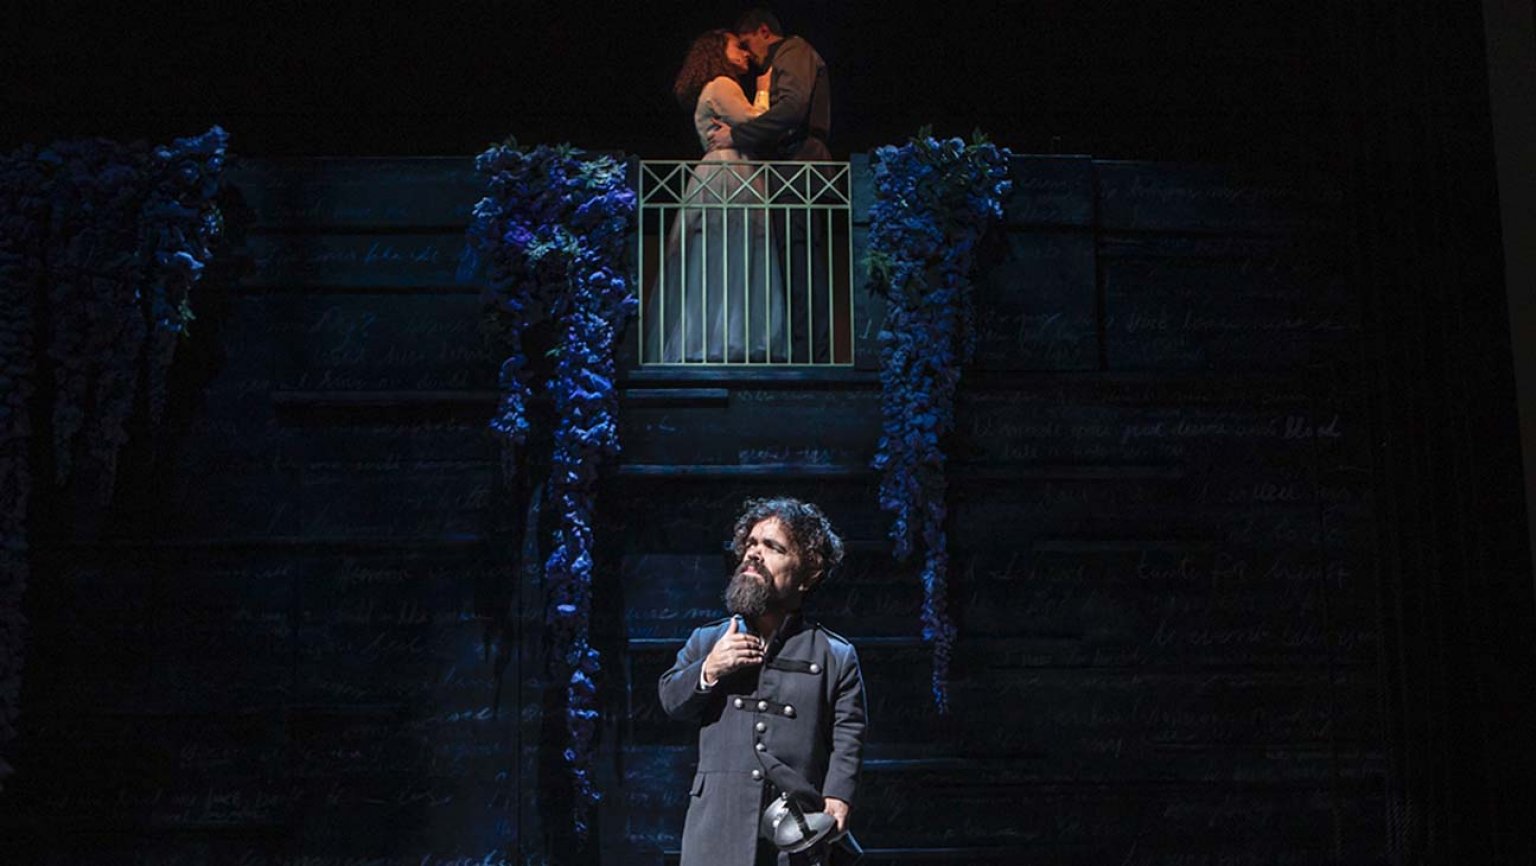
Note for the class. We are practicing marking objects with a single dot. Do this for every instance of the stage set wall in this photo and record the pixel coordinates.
(1166, 533)
(1195, 643)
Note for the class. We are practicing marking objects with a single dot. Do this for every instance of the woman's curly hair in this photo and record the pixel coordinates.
(704, 63)
(817, 543)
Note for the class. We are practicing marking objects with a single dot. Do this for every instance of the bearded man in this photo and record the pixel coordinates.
(778, 700)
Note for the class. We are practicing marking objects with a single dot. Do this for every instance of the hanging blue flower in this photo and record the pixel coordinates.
(933, 202)
(101, 241)
(554, 226)
(178, 224)
(23, 222)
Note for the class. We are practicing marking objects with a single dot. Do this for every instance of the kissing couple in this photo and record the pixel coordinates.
(721, 295)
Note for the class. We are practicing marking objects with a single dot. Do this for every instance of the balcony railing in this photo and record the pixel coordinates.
(745, 263)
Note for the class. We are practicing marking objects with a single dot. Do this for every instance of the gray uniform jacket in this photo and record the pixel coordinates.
(799, 115)
(794, 724)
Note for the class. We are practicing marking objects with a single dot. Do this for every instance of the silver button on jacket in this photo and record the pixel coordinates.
(818, 732)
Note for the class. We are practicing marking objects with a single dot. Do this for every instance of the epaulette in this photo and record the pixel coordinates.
(832, 634)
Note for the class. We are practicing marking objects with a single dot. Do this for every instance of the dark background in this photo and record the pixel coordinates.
(1170, 80)
(229, 687)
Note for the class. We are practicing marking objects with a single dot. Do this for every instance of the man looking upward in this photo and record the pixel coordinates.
(778, 699)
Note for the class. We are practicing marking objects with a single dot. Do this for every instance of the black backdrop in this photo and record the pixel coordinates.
(1167, 80)
(1390, 97)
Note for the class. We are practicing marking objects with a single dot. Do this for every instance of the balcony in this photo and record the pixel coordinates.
(745, 264)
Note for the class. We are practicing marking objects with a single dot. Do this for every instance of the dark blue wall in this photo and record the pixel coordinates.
(1164, 536)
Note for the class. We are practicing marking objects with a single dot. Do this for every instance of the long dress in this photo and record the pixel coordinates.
(718, 295)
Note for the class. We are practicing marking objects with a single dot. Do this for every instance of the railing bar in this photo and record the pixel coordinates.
(682, 281)
(761, 244)
(760, 183)
(661, 283)
(725, 287)
(743, 185)
(670, 184)
(704, 277)
(643, 334)
(746, 284)
(708, 190)
(770, 321)
(829, 185)
(767, 254)
(848, 229)
(789, 321)
(810, 294)
(831, 319)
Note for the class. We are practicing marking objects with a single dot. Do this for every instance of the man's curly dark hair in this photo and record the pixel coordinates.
(816, 542)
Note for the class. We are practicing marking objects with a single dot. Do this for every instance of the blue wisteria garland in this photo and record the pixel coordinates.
(554, 227)
(129, 234)
(934, 200)
(178, 224)
(23, 219)
(94, 190)
(102, 241)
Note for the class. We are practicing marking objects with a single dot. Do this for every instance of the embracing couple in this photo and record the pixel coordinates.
(792, 112)
(731, 287)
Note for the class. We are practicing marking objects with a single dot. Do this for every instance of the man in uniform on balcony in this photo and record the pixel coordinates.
(778, 699)
(799, 114)
(794, 128)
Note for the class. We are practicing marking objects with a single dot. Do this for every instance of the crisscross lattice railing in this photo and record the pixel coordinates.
(745, 263)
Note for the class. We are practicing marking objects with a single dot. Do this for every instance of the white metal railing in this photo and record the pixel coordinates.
(747, 263)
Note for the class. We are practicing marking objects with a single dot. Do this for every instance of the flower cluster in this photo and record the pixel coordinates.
(554, 227)
(94, 189)
(100, 242)
(934, 200)
(130, 229)
(178, 224)
(23, 220)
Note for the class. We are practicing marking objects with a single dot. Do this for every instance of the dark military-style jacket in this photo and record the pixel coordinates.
(799, 115)
(794, 724)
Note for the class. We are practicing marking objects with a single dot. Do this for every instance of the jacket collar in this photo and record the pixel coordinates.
(793, 624)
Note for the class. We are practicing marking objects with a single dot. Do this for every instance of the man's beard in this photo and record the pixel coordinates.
(748, 595)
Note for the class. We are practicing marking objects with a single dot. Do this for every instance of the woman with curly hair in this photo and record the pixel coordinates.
(718, 295)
